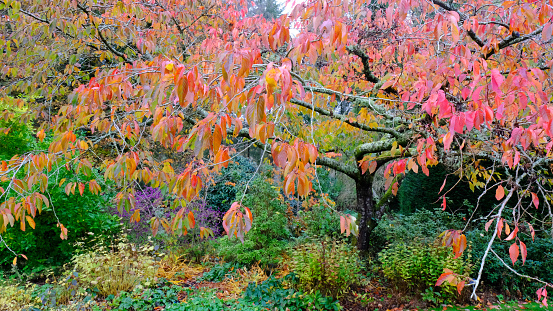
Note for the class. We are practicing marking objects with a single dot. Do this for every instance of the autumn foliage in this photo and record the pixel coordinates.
(466, 83)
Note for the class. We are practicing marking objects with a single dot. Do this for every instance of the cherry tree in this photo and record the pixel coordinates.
(355, 86)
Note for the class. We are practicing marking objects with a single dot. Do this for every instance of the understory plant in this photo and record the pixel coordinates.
(327, 265)
(111, 270)
(415, 267)
(267, 240)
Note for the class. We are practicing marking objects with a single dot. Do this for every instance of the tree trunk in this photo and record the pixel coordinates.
(365, 209)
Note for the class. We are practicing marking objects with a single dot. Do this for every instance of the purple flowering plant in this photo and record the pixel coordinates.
(150, 202)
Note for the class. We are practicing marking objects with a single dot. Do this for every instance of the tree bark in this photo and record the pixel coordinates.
(365, 209)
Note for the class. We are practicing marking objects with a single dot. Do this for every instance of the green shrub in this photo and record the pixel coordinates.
(146, 299)
(418, 192)
(200, 301)
(417, 266)
(421, 226)
(267, 239)
(328, 266)
(19, 137)
(220, 272)
(84, 216)
(275, 294)
(539, 262)
(221, 195)
(320, 219)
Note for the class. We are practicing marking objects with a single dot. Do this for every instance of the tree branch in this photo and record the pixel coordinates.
(462, 18)
(345, 119)
(514, 38)
(378, 146)
(102, 38)
(349, 170)
(369, 76)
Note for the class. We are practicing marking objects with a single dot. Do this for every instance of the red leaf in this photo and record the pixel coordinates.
(443, 185)
(372, 167)
(444, 204)
(499, 192)
(513, 234)
(460, 287)
(535, 200)
(447, 273)
(514, 252)
(488, 224)
(523, 251)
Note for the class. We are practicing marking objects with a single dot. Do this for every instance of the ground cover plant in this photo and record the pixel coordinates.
(136, 136)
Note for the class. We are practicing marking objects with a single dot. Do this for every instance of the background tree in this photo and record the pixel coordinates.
(417, 83)
(270, 9)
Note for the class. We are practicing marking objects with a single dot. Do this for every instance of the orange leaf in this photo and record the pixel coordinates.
(191, 220)
(460, 287)
(514, 252)
(513, 234)
(488, 224)
(443, 277)
(31, 221)
(499, 192)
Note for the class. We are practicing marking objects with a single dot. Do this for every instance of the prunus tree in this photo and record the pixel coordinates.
(398, 85)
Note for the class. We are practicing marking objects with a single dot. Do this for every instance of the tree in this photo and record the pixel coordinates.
(270, 9)
(464, 83)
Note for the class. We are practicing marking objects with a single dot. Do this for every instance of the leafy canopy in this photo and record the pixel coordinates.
(416, 82)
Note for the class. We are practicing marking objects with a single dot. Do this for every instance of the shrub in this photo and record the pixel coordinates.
(419, 191)
(421, 226)
(19, 137)
(267, 239)
(84, 216)
(274, 294)
(220, 272)
(200, 301)
(539, 262)
(417, 266)
(316, 218)
(221, 195)
(328, 266)
(108, 271)
(146, 299)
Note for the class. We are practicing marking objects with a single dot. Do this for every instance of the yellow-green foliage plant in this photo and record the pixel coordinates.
(415, 267)
(110, 270)
(14, 297)
(327, 265)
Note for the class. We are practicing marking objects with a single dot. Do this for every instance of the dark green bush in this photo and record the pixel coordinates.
(418, 191)
(221, 195)
(200, 301)
(422, 225)
(320, 219)
(267, 239)
(146, 299)
(415, 267)
(328, 266)
(83, 216)
(539, 263)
